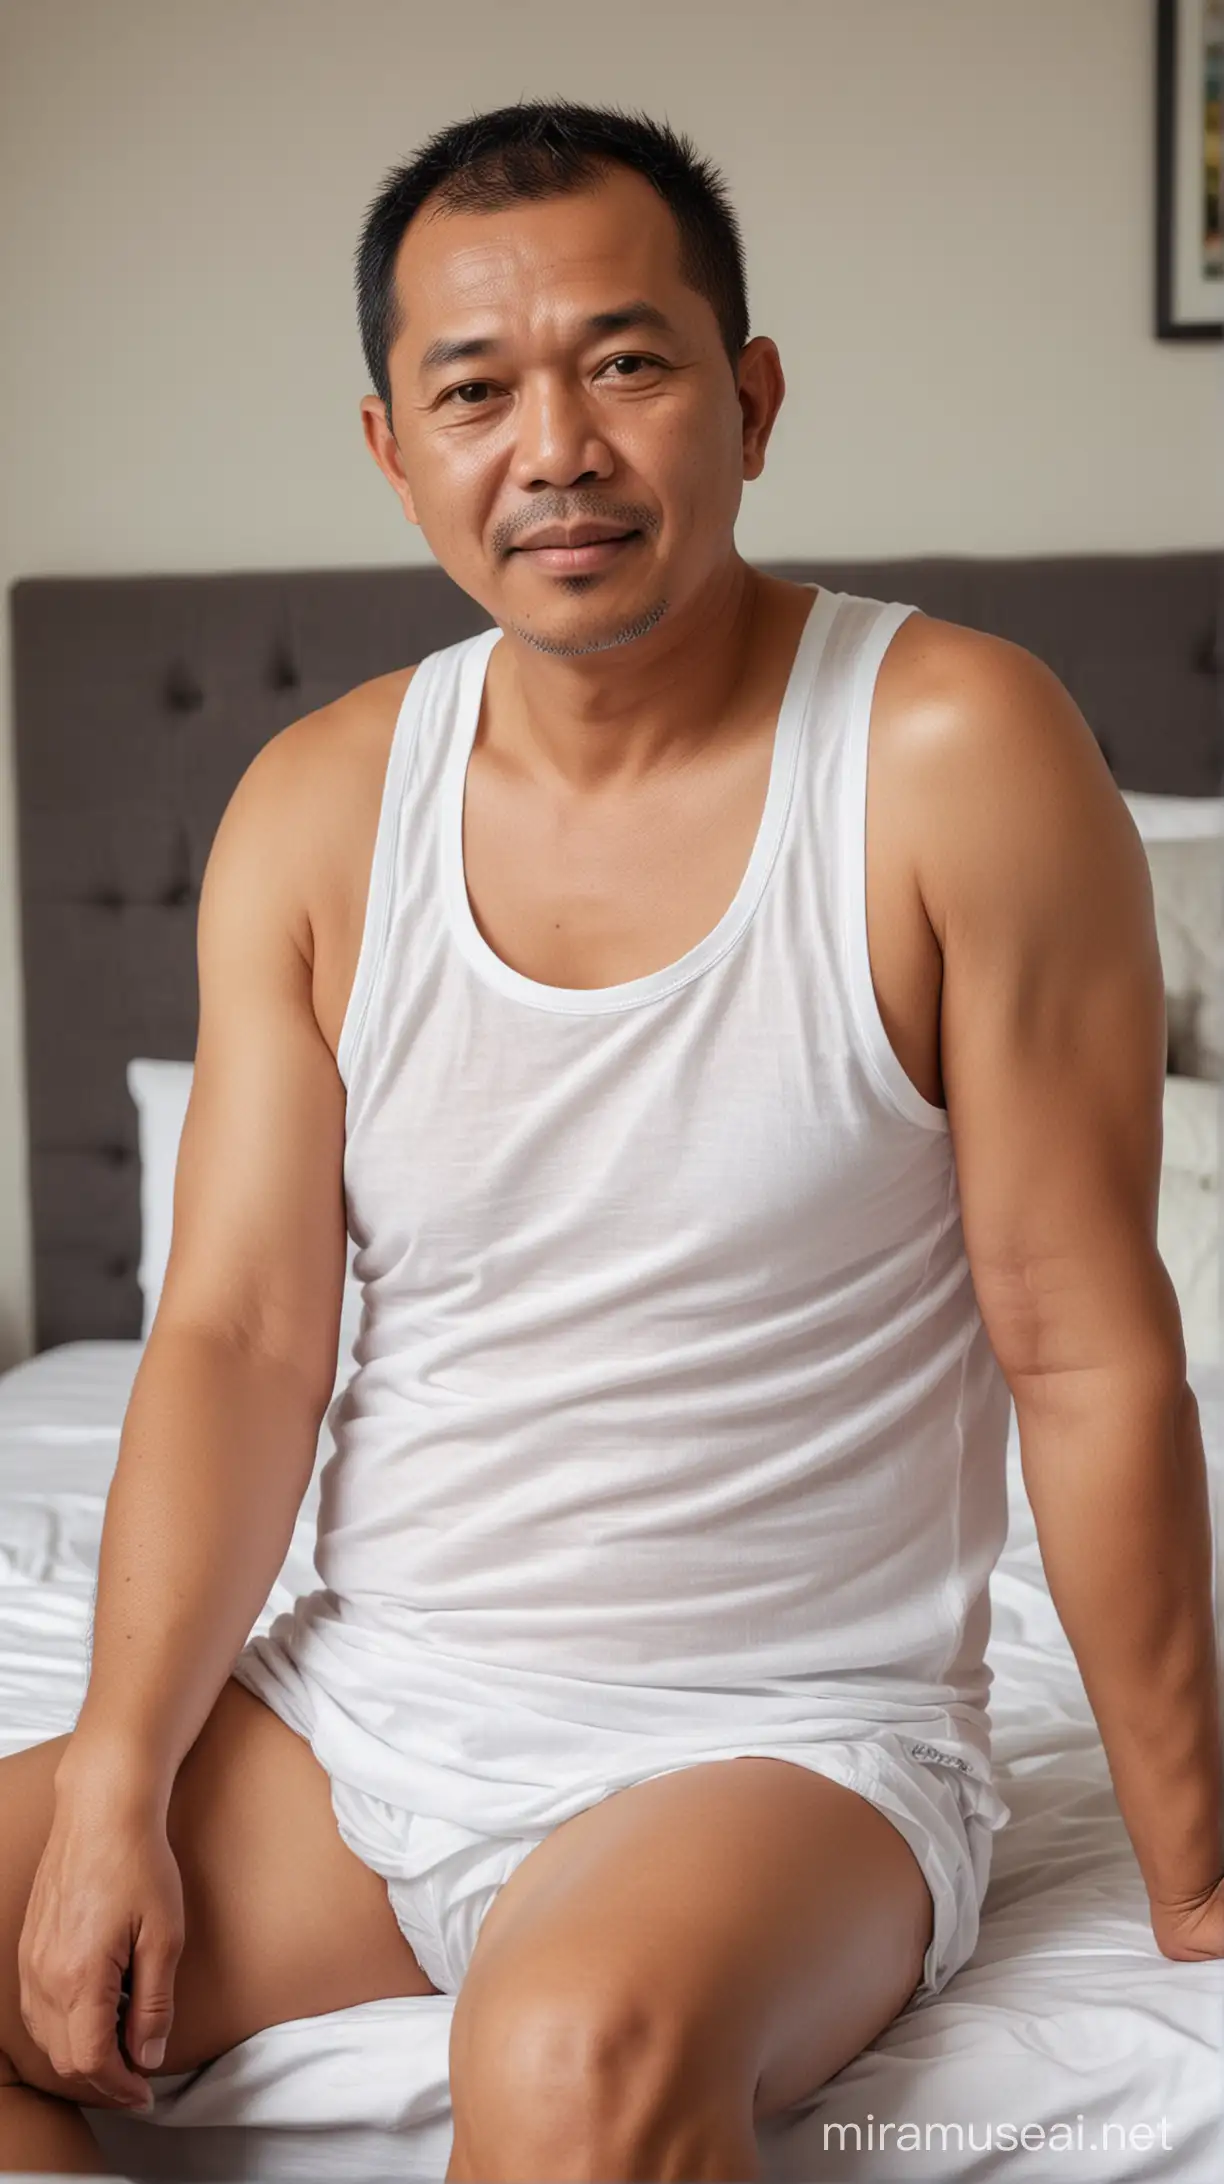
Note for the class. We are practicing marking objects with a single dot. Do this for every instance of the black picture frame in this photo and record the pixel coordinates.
(1174, 18)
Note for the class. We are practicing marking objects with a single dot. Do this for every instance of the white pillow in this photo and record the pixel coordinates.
(1184, 840)
(1190, 1227)
(1175, 818)
(160, 1091)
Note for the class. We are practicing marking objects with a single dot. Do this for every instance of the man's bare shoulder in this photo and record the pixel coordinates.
(938, 673)
(313, 793)
(991, 757)
(319, 752)
(335, 730)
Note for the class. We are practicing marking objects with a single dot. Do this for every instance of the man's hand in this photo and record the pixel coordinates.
(1191, 1928)
(103, 1935)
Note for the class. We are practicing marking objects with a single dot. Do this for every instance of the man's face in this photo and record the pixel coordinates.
(548, 419)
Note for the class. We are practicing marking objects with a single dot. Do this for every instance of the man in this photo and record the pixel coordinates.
(725, 1128)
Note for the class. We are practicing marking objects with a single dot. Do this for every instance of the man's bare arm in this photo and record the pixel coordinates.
(1053, 1038)
(220, 1434)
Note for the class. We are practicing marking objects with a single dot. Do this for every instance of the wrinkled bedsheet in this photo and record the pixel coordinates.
(1067, 2046)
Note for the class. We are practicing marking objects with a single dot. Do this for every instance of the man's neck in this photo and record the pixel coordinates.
(602, 722)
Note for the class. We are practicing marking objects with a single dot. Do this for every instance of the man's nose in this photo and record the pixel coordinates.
(558, 442)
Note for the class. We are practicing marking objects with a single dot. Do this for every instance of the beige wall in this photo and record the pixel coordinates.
(947, 208)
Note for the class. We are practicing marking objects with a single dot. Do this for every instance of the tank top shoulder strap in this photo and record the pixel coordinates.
(835, 818)
(418, 742)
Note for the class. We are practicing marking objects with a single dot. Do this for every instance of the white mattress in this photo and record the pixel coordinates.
(1067, 2014)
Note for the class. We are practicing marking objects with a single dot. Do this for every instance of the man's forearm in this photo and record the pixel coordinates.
(215, 1457)
(1118, 1486)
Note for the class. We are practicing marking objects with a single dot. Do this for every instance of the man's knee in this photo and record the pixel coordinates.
(557, 2067)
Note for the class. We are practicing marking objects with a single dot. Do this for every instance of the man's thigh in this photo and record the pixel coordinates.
(281, 1919)
(770, 1921)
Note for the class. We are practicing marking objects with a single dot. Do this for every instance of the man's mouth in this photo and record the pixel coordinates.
(578, 560)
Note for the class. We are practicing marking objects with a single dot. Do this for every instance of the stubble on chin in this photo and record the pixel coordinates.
(561, 648)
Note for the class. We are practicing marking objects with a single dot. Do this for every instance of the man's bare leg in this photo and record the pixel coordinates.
(672, 1967)
(43, 2134)
(281, 1919)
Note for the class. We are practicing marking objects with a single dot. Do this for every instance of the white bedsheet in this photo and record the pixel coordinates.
(1066, 2016)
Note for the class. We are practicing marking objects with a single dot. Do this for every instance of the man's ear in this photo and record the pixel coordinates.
(761, 388)
(381, 442)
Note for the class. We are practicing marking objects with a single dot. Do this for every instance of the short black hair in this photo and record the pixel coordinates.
(549, 148)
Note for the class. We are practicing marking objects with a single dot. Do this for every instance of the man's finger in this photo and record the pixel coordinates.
(150, 2010)
(94, 2048)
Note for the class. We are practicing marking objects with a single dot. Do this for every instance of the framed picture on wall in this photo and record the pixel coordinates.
(1189, 242)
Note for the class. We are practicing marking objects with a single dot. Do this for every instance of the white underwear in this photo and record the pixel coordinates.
(442, 1877)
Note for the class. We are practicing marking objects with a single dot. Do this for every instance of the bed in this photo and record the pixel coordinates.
(138, 702)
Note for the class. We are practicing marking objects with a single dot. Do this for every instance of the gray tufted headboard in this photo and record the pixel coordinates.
(139, 701)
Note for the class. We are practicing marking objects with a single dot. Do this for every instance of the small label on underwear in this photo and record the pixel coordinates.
(945, 1759)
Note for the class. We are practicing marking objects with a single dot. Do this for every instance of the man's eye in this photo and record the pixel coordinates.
(481, 386)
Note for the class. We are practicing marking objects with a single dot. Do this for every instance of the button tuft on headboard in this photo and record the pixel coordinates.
(179, 892)
(283, 674)
(183, 693)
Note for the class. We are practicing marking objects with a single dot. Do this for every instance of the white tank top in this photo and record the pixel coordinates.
(674, 1416)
